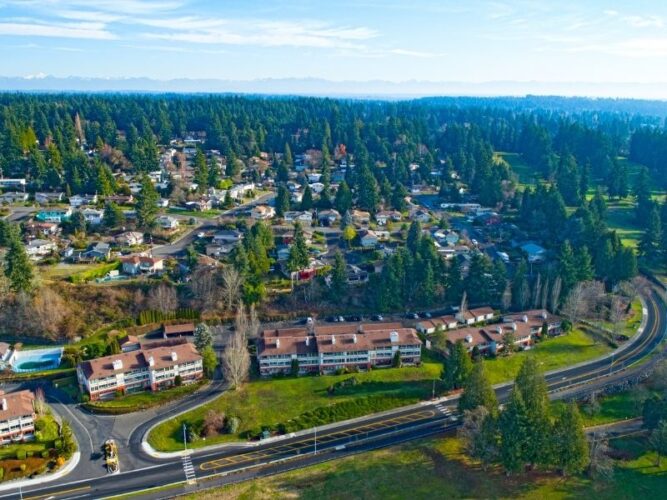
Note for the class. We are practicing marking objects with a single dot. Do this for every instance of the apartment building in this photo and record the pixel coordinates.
(17, 416)
(329, 348)
(151, 368)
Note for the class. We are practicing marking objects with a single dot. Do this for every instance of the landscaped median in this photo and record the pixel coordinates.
(282, 405)
(141, 400)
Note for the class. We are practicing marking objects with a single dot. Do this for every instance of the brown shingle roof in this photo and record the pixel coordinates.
(18, 404)
(183, 328)
(137, 360)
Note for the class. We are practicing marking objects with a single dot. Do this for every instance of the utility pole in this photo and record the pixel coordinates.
(433, 390)
(315, 429)
(185, 437)
(612, 361)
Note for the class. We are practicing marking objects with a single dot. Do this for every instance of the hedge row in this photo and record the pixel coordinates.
(149, 316)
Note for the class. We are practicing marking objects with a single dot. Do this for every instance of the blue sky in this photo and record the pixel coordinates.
(396, 40)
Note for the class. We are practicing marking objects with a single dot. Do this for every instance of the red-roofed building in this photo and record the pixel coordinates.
(17, 416)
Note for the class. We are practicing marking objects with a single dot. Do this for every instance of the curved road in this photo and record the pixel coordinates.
(205, 469)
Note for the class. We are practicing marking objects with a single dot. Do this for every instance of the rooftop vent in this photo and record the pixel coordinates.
(117, 364)
(174, 356)
(393, 336)
(468, 339)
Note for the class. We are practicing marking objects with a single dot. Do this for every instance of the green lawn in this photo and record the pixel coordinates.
(570, 349)
(632, 322)
(274, 401)
(141, 400)
(43, 440)
(612, 408)
(437, 468)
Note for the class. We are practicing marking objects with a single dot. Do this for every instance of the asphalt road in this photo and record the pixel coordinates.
(205, 469)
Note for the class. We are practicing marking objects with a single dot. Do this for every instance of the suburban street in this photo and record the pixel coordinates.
(206, 468)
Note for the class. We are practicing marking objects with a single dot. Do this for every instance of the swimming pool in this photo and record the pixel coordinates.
(36, 359)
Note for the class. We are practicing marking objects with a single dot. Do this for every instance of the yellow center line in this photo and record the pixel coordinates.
(64, 492)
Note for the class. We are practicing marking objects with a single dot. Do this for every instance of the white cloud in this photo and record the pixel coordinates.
(644, 21)
(91, 31)
(415, 53)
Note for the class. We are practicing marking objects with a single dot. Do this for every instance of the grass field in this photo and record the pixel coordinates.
(437, 468)
(63, 270)
(141, 400)
(270, 402)
(570, 349)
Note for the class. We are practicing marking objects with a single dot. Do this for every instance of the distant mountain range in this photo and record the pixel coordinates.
(320, 87)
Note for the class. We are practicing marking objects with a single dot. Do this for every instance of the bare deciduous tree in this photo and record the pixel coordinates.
(40, 401)
(584, 300)
(537, 290)
(232, 284)
(236, 358)
(601, 464)
(574, 305)
(554, 297)
(544, 296)
(162, 298)
(205, 289)
(49, 310)
(616, 314)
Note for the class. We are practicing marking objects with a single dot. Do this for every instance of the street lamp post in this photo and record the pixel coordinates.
(185, 437)
(315, 452)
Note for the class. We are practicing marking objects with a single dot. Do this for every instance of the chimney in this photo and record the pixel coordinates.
(277, 343)
(117, 364)
(3, 404)
(468, 339)
(151, 361)
(524, 318)
(544, 314)
(360, 329)
(307, 340)
(499, 329)
(393, 337)
(174, 356)
(354, 338)
(513, 326)
(333, 339)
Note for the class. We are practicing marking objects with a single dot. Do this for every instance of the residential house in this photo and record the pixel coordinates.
(142, 264)
(37, 229)
(387, 215)
(219, 250)
(140, 369)
(368, 239)
(199, 205)
(167, 222)
(535, 252)
(421, 216)
(473, 337)
(39, 248)
(130, 239)
(227, 236)
(296, 216)
(17, 416)
(92, 216)
(6, 182)
(360, 216)
(77, 200)
(46, 198)
(97, 251)
(262, 212)
(325, 349)
(54, 215)
(535, 319)
(328, 217)
(120, 199)
(316, 187)
(13, 197)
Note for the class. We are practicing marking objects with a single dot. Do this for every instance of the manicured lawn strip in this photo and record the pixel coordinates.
(437, 468)
(274, 401)
(566, 350)
(141, 400)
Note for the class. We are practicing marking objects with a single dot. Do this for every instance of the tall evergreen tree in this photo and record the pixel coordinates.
(18, 268)
(477, 391)
(570, 446)
(458, 366)
(146, 205)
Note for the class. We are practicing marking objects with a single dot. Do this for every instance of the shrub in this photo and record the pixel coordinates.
(232, 425)
(45, 454)
(20, 455)
(58, 444)
(566, 325)
(2, 472)
(23, 467)
(30, 454)
(84, 398)
(178, 380)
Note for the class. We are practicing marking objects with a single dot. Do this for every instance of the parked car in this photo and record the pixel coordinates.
(411, 315)
(377, 317)
(353, 318)
(426, 315)
(341, 319)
